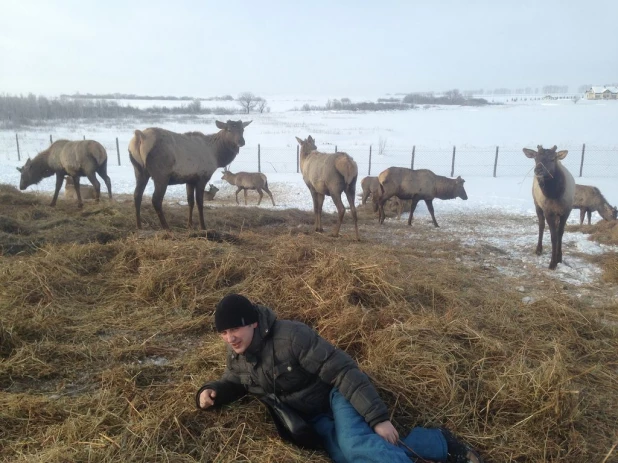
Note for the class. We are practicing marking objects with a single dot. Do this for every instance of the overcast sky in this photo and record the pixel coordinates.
(317, 47)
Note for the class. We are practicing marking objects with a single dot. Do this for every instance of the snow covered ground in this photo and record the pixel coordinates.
(435, 129)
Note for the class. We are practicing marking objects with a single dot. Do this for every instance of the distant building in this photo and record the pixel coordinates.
(602, 93)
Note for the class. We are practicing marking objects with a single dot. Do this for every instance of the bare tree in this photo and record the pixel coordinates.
(382, 145)
(262, 104)
(247, 101)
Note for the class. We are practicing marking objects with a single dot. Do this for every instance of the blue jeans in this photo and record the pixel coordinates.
(348, 438)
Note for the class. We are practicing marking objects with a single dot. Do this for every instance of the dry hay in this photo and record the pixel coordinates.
(103, 345)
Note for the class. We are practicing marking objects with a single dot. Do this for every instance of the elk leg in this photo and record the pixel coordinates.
(108, 183)
(553, 231)
(96, 184)
(157, 201)
(141, 180)
(59, 182)
(238, 191)
(582, 216)
(589, 212)
(561, 225)
(245, 192)
(340, 212)
(190, 202)
(269, 194)
(429, 203)
(541, 217)
(320, 203)
(365, 196)
(78, 191)
(259, 190)
(199, 199)
(412, 209)
(350, 196)
(314, 197)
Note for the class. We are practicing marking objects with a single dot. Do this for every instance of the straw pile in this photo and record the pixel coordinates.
(106, 335)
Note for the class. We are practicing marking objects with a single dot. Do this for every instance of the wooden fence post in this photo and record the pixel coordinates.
(17, 141)
(453, 163)
(412, 162)
(84, 137)
(369, 173)
(496, 162)
(259, 159)
(50, 139)
(297, 159)
(581, 166)
(335, 148)
(117, 150)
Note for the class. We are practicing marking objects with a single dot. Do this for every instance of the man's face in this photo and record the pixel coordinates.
(239, 338)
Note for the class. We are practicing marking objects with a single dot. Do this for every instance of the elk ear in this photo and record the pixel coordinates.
(245, 124)
(300, 142)
(221, 125)
(530, 153)
(310, 139)
(561, 154)
(20, 168)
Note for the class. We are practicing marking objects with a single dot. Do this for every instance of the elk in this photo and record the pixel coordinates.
(248, 181)
(172, 158)
(371, 187)
(589, 199)
(87, 191)
(209, 194)
(417, 185)
(328, 175)
(73, 158)
(553, 191)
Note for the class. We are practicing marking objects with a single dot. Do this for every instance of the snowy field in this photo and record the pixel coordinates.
(433, 130)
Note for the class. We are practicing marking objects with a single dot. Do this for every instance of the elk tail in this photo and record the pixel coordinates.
(346, 166)
(140, 145)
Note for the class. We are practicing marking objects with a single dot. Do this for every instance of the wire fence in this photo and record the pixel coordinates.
(508, 161)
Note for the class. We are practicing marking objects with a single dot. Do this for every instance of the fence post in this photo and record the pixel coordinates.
(335, 148)
(259, 159)
(17, 141)
(453, 163)
(50, 139)
(84, 137)
(297, 159)
(496, 162)
(369, 173)
(117, 150)
(412, 162)
(581, 166)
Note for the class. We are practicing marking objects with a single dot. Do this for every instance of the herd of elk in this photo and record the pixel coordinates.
(191, 158)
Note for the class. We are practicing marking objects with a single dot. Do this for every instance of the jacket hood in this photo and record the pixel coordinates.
(266, 320)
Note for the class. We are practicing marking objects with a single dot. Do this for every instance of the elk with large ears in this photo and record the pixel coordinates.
(328, 175)
(553, 190)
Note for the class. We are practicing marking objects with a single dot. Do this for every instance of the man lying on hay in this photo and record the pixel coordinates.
(315, 392)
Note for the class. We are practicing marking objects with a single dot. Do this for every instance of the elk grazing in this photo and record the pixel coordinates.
(417, 185)
(553, 190)
(328, 175)
(172, 158)
(248, 181)
(371, 187)
(589, 199)
(73, 158)
(87, 191)
(209, 194)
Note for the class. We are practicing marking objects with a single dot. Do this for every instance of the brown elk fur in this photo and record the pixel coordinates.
(553, 190)
(172, 158)
(328, 175)
(209, 194)
(87, 191)
(417, 185)
(72, 158)
(248, 181)
(589, 199)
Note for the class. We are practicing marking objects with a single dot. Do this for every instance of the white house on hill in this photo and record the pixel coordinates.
(602, 93)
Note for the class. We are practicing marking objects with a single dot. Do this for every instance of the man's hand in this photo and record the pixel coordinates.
(387, 431)
(207, 398)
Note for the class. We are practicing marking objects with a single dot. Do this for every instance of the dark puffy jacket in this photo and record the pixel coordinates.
(306, 368)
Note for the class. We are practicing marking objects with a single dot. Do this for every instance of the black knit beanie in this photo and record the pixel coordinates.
(234, 311)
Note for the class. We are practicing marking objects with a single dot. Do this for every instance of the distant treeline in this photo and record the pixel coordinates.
(131, 96)
(22, 110)
(452, 97)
